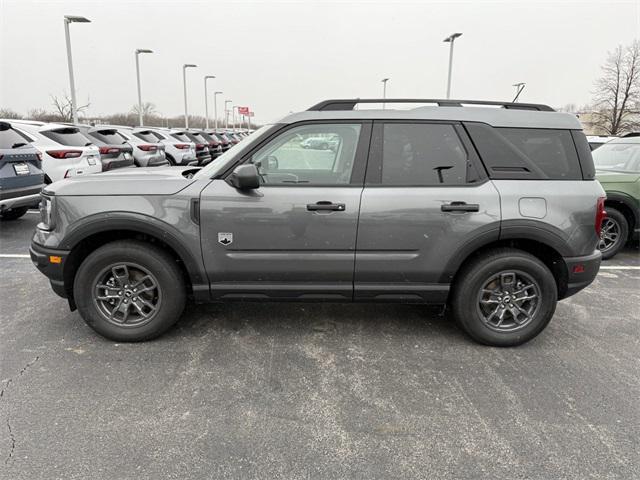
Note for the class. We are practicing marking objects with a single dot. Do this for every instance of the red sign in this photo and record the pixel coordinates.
(243, 110)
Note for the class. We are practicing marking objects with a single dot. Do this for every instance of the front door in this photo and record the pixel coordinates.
(426, 203)
(293, 237)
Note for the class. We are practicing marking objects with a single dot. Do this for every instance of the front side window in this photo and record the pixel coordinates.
(422, 154)
(619, 157)
(321, 154)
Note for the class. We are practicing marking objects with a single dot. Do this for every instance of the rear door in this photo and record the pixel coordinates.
(295, 236)
(426, 202)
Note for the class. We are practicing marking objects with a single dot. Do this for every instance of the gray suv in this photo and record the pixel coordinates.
(492, 210)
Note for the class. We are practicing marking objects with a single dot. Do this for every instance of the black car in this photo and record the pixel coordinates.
(115, 152)
(21, 177)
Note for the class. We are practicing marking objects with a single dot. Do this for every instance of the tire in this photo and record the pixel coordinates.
(13, 213)
(502, 269)
(615, 232)
(172, 162)
(149, 268)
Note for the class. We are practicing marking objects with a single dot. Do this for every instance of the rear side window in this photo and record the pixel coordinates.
(70, 137)
(526, 153)
(182, 136)
(423, 154)
(9, 138)
(147, 136)
(110, 137)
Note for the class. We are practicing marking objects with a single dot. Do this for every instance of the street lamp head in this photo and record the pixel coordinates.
(218, 93)
(143, 50)
(384, 80)
(76, 19)
(209, 76)
(189, 65)
(452, 37)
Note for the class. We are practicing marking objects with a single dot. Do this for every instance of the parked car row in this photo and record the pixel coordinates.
(36, 153)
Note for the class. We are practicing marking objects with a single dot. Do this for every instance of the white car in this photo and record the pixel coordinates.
(65, 151)
(596, 141)
(177, 152)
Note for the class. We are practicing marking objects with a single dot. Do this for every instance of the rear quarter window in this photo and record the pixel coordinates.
(110, 137)
(526, 153)
(148, 136)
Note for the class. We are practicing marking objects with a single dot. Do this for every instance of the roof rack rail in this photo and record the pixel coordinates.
(349, 104)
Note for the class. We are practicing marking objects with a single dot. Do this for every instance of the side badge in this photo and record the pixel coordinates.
(225, 238)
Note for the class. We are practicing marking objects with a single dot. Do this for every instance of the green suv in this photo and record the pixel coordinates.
(618, 170)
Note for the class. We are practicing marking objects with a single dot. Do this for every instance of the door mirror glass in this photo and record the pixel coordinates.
(245, 177)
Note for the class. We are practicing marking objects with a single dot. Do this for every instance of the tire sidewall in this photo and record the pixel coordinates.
(466, 298)
(157, 262)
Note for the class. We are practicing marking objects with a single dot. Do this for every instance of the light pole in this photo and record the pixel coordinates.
(450, 39)
(215, 109)
(519, 88)
(384, 91)
(67, 20)
(233, 114)
(184, 80)
(226, 113)
(206, 100)
(138, 52)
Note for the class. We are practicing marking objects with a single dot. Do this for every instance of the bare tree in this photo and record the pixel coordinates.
(148, 109)
(617, 95)
(9, 114)
(63, 107)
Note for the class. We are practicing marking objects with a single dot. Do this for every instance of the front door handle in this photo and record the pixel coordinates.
(326, 207)
(460, 207)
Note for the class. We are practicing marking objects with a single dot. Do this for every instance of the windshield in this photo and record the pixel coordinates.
(220, 163)
(619, 157)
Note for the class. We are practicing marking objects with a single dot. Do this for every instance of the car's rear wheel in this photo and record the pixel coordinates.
(613, 233)
(129, 291)
(504, 298)
(171, 160)
(13, 213)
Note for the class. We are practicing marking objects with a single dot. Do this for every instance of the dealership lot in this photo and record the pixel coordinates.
(316, 390)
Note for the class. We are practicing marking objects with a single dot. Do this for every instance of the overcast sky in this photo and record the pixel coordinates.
(279, 56)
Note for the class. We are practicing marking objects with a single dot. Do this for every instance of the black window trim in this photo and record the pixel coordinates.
(359, 160)
(374, 171)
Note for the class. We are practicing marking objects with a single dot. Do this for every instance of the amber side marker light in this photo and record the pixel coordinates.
(55, 259)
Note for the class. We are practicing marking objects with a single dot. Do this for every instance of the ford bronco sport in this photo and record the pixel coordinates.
(491, 208)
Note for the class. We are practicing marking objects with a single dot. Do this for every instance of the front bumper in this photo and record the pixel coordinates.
(581, 271)
(46, 260)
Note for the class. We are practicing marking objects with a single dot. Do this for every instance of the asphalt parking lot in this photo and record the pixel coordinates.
(315, 390)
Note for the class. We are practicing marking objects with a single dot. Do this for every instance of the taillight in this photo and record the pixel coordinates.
(601, 214)
(60, 154)
(200, 146)
(39, 155)
(148, 148)
(182, 146)
(109, 150)
(214, 144)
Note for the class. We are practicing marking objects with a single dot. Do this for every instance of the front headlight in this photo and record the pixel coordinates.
(46, 210)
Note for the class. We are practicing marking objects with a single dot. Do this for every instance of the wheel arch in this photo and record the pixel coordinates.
(543, 251)
(101, 229)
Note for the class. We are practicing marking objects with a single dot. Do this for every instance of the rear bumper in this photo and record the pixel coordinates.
(41, 258)
(581, 271)
(20, 197)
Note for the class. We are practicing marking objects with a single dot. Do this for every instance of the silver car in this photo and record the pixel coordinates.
(494, 212)
(148, 151)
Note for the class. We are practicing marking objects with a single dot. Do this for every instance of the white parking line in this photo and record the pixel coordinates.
(621, 267)
(14, 255)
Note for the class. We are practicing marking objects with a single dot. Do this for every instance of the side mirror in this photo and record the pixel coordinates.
(245, 177)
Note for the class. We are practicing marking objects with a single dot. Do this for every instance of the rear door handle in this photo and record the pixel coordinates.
(460, 207)
(326, 207)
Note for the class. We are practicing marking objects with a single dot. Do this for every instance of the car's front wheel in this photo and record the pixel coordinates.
(504, 298)
(613, 233)
(129, 291)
